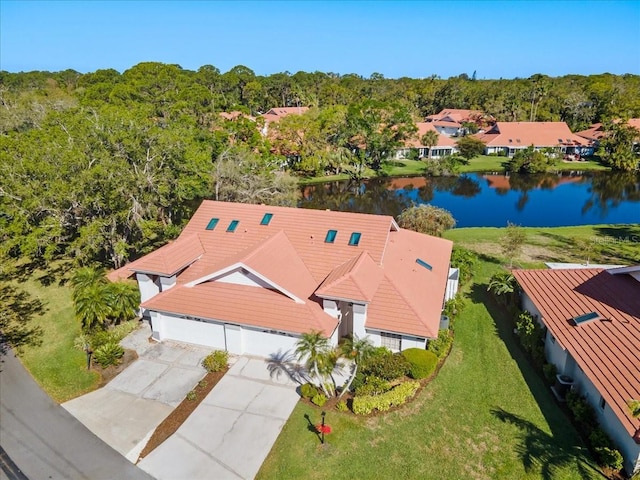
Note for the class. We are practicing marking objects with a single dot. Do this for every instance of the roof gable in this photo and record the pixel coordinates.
(524, 134)
(357, 279)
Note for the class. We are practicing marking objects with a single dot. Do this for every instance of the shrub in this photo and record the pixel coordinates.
(453, 307)
(216, 361)
(550, 371)
(466, 261)
(441, 345)
(192, 395)
(529, 331)
(308, 390)
(108, 354)
(386, 365)
(609, 457)
(399, 395)
(203, 383)
(600, 439)
(581, 410)
(319, 400)
(341, 406)
(373, 386)
(102, 337)
(423, 363)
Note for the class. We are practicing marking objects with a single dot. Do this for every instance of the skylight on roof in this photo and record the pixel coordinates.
(331, 236)
(266, 219)
(233, 225)
(424, 264)
(212, 224)
(587, 317)
(355, 238)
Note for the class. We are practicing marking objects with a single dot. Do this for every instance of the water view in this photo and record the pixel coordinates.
(492, 200)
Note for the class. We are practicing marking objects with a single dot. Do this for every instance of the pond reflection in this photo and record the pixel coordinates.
(479, 199)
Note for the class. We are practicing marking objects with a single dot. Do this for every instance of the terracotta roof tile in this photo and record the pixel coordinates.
(356, 279)
(607, 350)
(171, 258)
(524, 134)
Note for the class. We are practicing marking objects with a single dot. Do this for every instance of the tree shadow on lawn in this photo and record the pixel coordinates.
(564, 437)
(539, 449)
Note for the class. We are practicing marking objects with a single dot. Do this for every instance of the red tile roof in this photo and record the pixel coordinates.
(424, 127)
(457, 115)
(524, 134)
(608, 350)
(291, 256)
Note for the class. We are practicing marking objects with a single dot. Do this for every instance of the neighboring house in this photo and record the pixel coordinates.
(251, 279)
(592, 317)
(449, 121)
(506, 138)
(596, 132)
(278, 113)
(445, 146)
(235, 115)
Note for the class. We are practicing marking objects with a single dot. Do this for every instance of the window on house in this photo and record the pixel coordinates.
(392, 341)
(602, 403)
(212, 224)
(355, 238)
(266, 219)
(331, 236)
(233, 225)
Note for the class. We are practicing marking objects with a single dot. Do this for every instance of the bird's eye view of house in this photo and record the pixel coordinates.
(251, 279)
(592, 321)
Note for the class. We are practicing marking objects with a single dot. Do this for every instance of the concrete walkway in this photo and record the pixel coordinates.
(129, 408)
(232, 431)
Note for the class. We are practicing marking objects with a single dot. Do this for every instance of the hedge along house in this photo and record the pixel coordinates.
(592, 317)
(252, 278)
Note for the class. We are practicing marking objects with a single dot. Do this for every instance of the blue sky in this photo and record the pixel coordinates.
(417, 39)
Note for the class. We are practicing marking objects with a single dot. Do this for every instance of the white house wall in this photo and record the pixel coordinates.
(240, 277)
(359, 320)
(264, 344)
(171, 327)
(608, 421)
(148, 288)
(405, 343)
(167, 282)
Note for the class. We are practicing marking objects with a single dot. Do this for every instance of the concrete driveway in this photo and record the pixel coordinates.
(232, 431)
(129, 408)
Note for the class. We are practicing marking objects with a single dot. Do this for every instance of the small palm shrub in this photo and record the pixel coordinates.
(341, 406)
(423, 363)
(308, 391)
(192, 395)
(108, 354)
(216, 361)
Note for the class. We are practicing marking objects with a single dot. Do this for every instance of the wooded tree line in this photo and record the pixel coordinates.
(104, 166)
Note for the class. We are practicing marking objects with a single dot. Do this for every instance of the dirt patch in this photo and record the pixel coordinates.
(176, 418)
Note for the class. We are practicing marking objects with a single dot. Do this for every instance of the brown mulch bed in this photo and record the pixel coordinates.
(109, 373)
(176, 418)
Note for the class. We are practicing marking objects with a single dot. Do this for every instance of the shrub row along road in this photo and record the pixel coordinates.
(45, 441)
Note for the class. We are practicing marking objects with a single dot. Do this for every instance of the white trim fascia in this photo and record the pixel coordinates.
(241, 265)
(629, 269)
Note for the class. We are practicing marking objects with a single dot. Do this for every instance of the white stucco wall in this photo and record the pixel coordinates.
(242, 277)
(148, 288)
(608, 421)
(264, 344)
(359, 319)
(167, 282)
(406, 342)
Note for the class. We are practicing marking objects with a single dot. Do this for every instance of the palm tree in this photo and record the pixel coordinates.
(634, 407)
(358, 350)
(313, 348)
(430, 139)
(84, 277)
(92, 306)
(501, 283)
(124, 299)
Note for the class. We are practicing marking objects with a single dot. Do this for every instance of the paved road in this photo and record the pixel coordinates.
(47, 442)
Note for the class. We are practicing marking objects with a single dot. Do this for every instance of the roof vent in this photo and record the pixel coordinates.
(424, 264)
(587, 317)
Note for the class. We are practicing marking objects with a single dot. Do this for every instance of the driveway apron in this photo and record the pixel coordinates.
(232, 431)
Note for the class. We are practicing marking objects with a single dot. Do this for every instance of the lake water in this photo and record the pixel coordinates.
(492, 200)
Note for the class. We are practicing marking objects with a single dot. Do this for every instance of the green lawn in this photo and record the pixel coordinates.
(58, 367)
(487, 415)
